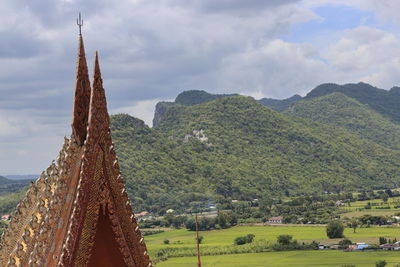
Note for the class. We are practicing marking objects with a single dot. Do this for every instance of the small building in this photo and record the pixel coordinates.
(170, 211)
(6, 217)
(339, 203)
(143, 215)
(322, 246)
(357, 247)
(278, 220)
(327, 246)
(395, 246)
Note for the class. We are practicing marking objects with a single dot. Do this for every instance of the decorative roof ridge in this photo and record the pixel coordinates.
(82, 96)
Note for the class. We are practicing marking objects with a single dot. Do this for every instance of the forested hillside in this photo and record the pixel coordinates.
(340, 110)
(236, 148)
(10, 186)
(195, 97)
(382, 101)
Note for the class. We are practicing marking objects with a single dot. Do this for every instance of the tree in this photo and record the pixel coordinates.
(284, 239)
(385, 197)
(250, 238)
(200, 240)
(389, 192)
(354, 224)
(335, 229)
(381, 263)
(382, 240)
(343, 244)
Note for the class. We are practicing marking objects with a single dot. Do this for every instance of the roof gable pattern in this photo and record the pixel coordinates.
(56, 223)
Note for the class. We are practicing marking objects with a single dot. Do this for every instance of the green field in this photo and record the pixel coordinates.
(289, 258)
(357, 208)
(184, 238)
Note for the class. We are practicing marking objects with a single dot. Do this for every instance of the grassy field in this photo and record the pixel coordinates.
(185, 238)
(357, 208)
(289, 258)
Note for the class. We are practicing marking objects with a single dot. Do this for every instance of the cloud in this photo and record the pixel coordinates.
(366, 54)
(154, 49)
(276, 69)
(232, 5)
(7, 127)
(141, 109)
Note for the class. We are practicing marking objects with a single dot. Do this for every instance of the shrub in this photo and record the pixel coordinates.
(381, 263)
(166, 241)
(201, 238)
(284, 239)
(343, 244)
(241, 240)
(250, 238)
(335, 229)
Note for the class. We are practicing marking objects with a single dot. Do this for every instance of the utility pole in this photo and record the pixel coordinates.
(198, 242)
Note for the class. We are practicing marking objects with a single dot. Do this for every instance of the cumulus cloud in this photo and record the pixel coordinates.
(151, 50)
(140, 109)
(7, 127)
(276, 69)
(366, 54)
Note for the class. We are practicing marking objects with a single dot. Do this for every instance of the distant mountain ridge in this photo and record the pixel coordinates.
(386, 102)
(280, 105)
(22, 177)
(195, 97)
(338, 109)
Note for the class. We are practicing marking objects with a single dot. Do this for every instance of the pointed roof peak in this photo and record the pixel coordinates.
(99, 121)
(97, 72)
(82, 96)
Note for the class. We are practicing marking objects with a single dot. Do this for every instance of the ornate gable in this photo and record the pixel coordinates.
(78, 212)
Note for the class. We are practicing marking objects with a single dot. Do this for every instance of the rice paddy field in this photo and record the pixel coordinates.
(288, 258)
(183, 238)
(378, 207)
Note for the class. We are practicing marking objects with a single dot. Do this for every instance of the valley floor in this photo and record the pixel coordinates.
(181, 239)
(289, 258)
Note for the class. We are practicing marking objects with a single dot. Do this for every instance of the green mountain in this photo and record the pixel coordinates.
(340, 110)
(236, 148)
(280, 105)
(382, 101)
(194, 97)
(186, 98)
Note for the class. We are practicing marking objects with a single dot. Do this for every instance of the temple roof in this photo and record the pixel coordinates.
(78, 212)
(82, 96)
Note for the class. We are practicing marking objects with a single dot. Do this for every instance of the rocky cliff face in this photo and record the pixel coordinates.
(161, 109)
